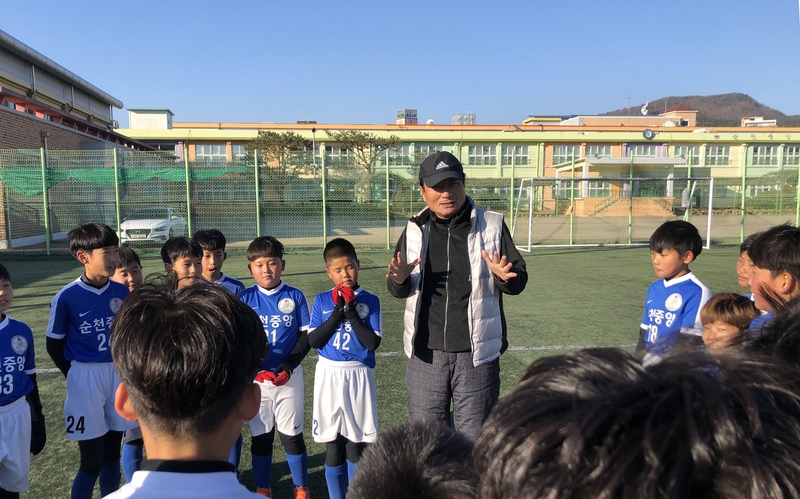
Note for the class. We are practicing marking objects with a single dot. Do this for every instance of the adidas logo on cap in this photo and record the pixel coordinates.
(442, 165)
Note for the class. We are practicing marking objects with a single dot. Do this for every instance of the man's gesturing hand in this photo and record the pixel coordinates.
(499, 266)
(399, 271)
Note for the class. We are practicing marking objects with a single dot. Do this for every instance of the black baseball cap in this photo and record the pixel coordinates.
(439, 166)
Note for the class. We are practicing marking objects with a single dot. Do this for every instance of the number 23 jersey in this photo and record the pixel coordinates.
(344, 345)
(82, 316)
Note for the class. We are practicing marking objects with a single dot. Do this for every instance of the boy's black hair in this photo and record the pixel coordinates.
(337, 248)
(5, 275)
(179, 247)
(264, 247)
(91, 236)
(210, 239)
(777, 250)
(186, 356)
(676, 235)
(127, 256)
(424, 460)
(748, 241)
(694, 426)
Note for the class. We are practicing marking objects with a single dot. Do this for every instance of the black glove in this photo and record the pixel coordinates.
(38, 435)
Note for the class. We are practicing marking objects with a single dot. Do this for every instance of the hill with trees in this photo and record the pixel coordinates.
(715, 110)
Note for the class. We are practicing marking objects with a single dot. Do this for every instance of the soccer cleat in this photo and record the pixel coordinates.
(302, 492)
(266, 492)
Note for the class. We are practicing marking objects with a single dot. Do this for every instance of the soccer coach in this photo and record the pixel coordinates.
(452, 263)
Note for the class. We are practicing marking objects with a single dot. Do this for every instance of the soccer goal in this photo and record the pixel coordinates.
(614, 211)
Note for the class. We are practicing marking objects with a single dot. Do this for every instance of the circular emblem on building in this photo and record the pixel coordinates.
(115, 304)
(674, 302)
(286, 306)
(19, 344)
(362, 309)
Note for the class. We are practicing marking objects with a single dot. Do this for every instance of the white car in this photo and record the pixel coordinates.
(151, 224)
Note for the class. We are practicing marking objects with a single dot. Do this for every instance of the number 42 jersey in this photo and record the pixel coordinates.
(344, 345)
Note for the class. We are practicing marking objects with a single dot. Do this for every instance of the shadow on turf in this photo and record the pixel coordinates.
(284, 487)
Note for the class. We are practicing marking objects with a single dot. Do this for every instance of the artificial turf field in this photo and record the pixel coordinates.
(574, 298)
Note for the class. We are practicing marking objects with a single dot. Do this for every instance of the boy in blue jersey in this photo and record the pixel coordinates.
(78, 335)
(22, 427)
(214, 255)
(182, 261)
(346, 330)
(673, 303)
(776, 270)
(129, 273)
(283, 310)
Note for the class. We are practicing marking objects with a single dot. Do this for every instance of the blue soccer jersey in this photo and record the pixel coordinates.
(16, 349)
(82, 316)
(673, 307)
(284, 313)
(235, 286)
(344, 345)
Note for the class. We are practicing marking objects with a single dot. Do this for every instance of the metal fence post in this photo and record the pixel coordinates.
(797, 200)
(572, 202)
(511, 193)
(388, 212)
(42, 155)
(630, 202)
(116, 193)
(188, 192)
(324, 203)
(744, 187)
(258, 195)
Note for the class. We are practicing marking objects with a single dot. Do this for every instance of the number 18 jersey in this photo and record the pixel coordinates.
(344, 345)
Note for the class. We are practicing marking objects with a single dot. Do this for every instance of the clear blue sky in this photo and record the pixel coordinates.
(360, 61)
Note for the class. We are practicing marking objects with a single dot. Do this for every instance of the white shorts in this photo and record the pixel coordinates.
(89, 407)
(15, 445)
(132, 434)
(281, 406)
(344, 402)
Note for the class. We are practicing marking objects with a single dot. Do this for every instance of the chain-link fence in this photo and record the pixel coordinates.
(305, 200)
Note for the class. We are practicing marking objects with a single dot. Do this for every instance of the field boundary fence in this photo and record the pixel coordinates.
(304, 201)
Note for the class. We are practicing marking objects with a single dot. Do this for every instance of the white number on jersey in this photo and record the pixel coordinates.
(101, 338)
(8, 384)
(341, 341)
(653, 336)
(274, 335)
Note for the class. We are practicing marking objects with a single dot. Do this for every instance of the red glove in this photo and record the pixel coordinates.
(336, 295)
(349, 295)
(264, 376)
(281, 379)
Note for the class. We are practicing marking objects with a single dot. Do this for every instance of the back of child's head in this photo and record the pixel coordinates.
(5, 275)
(264, 247)
(729, 308)
(778, 250)
(210, 239)
(338, 248)
(180, 247)
(423, 460)
(186, 356)
(748, 241)
(127, 256)
(91, 236)
(694, 426)
(676, 235)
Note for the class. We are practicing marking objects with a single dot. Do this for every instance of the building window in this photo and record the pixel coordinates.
(337, 153)
(645, 150)
(422, 151)
(564, 154)
(598, 151)
(519, 154)
(482, 155)
(210, 153)
(599, 189)
(765, 155)
(212, 190)
(791, 155)
(239, 153)
(685, 151)
(718, 155)
(401, 156)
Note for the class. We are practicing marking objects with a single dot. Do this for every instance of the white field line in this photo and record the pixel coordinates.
(398, 354)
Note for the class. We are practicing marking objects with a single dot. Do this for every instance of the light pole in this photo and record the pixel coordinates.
(314, 151)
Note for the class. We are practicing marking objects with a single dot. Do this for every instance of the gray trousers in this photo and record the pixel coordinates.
(431, 386)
